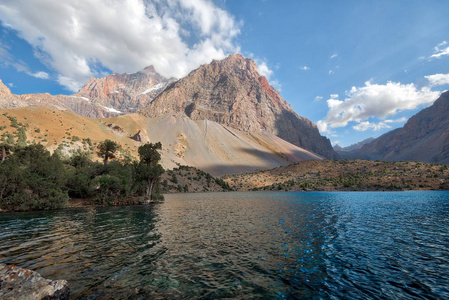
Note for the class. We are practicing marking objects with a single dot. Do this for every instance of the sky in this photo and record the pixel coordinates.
(356, 68)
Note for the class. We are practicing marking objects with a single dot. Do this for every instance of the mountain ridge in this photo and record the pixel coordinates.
(424, 137)
(100, 97)
(231, 92)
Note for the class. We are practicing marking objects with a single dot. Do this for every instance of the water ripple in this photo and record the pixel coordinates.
(243, 245)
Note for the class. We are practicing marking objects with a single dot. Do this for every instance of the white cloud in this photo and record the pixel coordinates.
(365, 125)
(438, 79)
(334, 96)
(335, 55)
(439, 51)
(322, 126)
(263, 68)
(305, 68)
(331, 72)
(79, 39)
(11, 84)
(375, 101)
(317, 99)
(41, 75)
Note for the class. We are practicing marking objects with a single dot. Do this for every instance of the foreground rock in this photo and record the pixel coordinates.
(21, 283)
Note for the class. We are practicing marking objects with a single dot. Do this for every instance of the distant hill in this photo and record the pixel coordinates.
(345, 175)
(425, 137)
(353, 147)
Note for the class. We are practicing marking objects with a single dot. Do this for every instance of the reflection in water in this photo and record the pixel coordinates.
(242, 245)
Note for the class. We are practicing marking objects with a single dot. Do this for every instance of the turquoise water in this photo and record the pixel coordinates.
(354, 245)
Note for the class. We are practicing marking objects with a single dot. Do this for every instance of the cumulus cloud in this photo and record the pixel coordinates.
(322, 126)
(81, 39)
(440, 50)
(365, 125)
(374, 101)
(263, 68)
(305, 68)
(438, 79)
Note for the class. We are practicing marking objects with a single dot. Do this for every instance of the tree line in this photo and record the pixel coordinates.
(31, 178)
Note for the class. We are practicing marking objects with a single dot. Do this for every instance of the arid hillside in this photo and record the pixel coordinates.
(214, 148)
(349, 175)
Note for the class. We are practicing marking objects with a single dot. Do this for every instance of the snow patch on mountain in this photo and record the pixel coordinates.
(154, 88)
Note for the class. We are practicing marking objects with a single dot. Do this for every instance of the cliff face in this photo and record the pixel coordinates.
(425, 137)
(7, 99)
(124, 92)
(231, 92)
(100, 97)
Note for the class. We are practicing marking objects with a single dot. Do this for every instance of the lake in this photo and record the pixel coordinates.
(316, 245)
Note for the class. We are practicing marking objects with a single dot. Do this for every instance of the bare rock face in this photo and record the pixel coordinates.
(140, 137)
(8, 100)
(100, 97)
(233, 93)
(425, 137)
(125, 92)
(24, 284)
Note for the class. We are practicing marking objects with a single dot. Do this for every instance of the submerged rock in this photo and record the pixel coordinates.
(21, 283)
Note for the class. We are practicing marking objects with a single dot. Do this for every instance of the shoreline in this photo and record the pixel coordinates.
(75, 203)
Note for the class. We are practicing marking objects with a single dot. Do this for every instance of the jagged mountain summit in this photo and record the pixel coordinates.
(125, 93)
(425, 137)
(231, 92)
(100, 97)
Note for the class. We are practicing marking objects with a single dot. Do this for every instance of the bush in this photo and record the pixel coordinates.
(32, 179)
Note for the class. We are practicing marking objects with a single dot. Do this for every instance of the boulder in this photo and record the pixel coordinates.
(24, 284)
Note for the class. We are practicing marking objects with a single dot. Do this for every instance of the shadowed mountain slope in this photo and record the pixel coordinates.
(425, 137)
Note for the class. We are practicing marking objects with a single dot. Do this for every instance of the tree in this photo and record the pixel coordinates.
(149, 170)
(5, 150)
(32, 178)
(107, 150)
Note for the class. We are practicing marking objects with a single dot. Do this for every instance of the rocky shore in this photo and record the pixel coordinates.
(24, 284)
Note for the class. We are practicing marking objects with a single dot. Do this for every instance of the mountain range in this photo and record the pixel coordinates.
(100, 97)
(424, 137)
(223, 117)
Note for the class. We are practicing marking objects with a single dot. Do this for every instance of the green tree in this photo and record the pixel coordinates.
(149, 170)
(32, 179)
(107, 150)
(5, 150)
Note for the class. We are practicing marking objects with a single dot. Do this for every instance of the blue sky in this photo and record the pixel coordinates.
(356, 68)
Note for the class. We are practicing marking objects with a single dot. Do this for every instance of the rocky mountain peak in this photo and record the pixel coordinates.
(124, 93)
(232, 92)
(4, 90)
